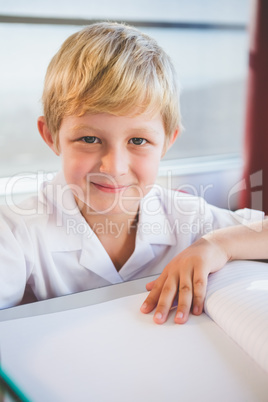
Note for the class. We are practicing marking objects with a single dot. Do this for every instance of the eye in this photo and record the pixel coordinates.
(138, 141)
(91, 139)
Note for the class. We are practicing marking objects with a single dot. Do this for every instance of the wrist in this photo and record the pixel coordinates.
(219, 242)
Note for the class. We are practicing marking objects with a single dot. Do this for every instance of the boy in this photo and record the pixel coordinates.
(110, 112)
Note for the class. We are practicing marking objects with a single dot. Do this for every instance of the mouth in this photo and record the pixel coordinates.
(108, 188)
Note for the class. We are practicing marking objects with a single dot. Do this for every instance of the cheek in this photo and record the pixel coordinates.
(75, 166)
(147, 169)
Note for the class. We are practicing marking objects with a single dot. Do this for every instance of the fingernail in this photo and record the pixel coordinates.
(144, 306)
(158, 316)
(195, 310)
(179, 315)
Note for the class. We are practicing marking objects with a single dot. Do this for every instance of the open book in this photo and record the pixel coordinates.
(237, 300)
(111, 352)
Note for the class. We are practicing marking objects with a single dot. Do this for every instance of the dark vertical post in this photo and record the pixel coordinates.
(256, 129)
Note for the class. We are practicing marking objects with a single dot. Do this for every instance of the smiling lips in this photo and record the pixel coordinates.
(108, 188)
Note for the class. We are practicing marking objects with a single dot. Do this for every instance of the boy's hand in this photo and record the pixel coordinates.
(185, 279)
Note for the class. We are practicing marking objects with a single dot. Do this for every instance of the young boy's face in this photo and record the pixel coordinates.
(111, 162)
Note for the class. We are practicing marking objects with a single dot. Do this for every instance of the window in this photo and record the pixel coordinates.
(208, 42)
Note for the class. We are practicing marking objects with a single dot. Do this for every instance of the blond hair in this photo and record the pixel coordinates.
(110, 68)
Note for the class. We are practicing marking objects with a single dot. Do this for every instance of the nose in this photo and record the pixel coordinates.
(114, 162)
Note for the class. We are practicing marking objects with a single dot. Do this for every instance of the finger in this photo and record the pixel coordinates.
(153, 297)
(199, 291)
(185, 299)
(150, 285)
(167, 296)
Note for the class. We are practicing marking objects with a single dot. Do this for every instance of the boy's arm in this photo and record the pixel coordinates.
(13, 265)
(186, 275)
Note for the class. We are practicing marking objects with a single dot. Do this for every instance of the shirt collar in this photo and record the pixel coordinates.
(70, 231)
(154, 224)
(66, 224)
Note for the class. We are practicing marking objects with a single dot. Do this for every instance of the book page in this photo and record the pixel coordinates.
(111, 352)
(237, 300)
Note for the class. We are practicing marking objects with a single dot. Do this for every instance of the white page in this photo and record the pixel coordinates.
(112, 352)
(237, 300)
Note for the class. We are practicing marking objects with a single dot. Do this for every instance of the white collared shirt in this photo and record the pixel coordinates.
(46, 243)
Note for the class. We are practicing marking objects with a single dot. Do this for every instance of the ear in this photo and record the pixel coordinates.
(170, 142)
(173, 138)
(46, 134)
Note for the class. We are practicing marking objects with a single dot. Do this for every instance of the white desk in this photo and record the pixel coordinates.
(72, 349)
(74, 301)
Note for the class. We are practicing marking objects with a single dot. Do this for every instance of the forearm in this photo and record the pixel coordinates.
(242, 242)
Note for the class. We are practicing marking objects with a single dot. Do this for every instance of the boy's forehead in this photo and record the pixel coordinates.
(101, 121)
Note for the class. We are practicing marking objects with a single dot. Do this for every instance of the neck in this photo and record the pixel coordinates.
(117, 233)
(116, 225)
(112, 226)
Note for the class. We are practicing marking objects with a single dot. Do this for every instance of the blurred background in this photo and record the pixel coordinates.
(208, 42)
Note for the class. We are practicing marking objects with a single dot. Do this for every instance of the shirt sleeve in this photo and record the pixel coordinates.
(195, 217)
(223, 217)
(13, 263)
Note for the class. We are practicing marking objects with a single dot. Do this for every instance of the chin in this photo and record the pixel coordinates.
(111, 210)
